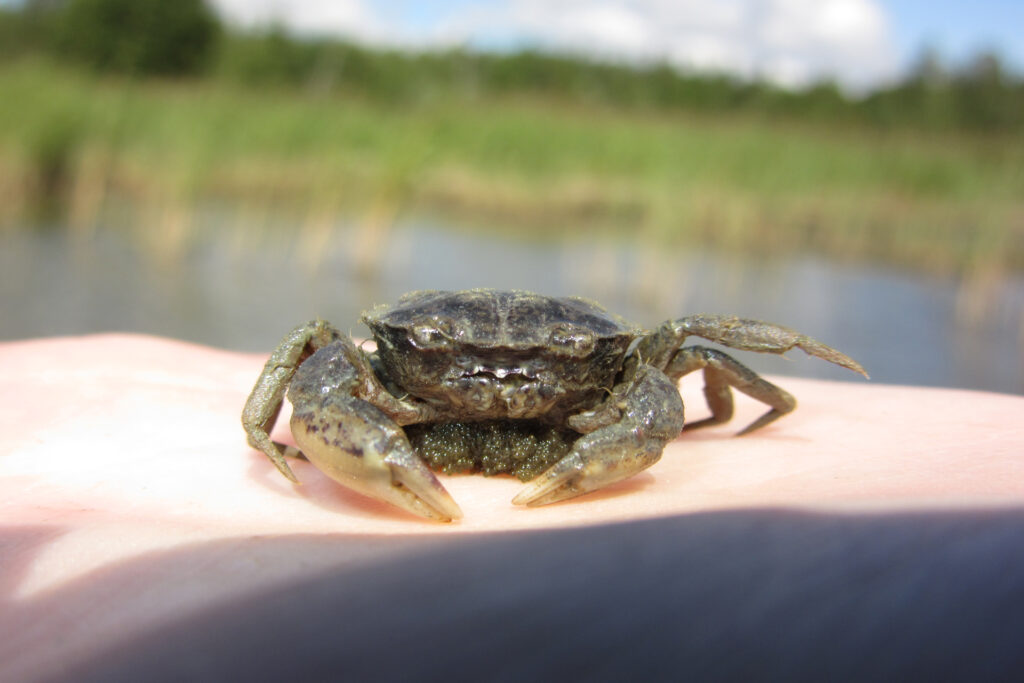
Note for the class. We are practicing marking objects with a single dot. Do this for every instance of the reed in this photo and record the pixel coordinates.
(939, 200)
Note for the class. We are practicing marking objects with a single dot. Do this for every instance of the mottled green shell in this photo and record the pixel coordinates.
(484, 354)
(486, 318)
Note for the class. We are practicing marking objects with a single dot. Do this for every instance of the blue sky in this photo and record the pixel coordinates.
(959, 29)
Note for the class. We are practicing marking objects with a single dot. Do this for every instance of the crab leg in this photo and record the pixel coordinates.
(722, 372)
(629, 432)
(737, 333)
(662, 350)
(264, 403)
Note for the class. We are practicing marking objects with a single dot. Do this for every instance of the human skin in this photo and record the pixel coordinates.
(130, 499)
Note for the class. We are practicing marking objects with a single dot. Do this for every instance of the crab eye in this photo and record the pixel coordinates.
(432, 333)
(574, 340)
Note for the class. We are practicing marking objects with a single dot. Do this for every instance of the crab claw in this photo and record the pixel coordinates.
(592, 465)
(360, 447)
(651, 416)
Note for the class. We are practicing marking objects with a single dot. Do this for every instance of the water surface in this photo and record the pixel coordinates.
(225, 288)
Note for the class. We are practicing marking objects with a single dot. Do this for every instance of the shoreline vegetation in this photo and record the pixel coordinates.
(923, 175)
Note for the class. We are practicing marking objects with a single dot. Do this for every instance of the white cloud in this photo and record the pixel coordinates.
(351, 18)
(803, 40)
(791, 42)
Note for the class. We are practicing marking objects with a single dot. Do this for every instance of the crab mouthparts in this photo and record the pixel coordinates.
(501, 373)
(515, 370)
(501, 391)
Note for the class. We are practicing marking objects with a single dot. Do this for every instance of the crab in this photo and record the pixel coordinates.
(557, 391)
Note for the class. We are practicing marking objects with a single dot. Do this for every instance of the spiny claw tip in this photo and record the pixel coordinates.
(284, 469)
(552, 485)
(522, 498)
(418, 489)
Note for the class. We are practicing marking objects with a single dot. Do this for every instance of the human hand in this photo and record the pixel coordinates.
(120, 452)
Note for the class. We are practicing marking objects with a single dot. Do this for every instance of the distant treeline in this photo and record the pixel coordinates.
(185, 38)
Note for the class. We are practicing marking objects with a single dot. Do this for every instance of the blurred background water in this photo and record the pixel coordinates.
(904, 327)
(218, 173)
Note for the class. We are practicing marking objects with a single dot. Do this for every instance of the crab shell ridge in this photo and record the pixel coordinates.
(486, 354)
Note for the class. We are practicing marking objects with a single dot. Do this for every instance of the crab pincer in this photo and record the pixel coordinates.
(629, 433)
(360, 447)
(353, 441)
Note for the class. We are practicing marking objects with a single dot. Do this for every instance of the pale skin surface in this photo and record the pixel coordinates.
(118, 452)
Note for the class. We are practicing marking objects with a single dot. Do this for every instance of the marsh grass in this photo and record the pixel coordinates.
(74, 143)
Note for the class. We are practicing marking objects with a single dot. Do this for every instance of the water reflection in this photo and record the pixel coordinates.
(238, 288)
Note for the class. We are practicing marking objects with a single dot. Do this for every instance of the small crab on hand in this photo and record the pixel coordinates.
(557, 391)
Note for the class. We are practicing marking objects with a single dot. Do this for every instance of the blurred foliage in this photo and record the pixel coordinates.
(185, 37)
(941, 201)
(928, 172)
(29, 28)
(138, 37)
(980, 95)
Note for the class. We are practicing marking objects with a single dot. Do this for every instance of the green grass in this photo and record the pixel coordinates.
(938, 201)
